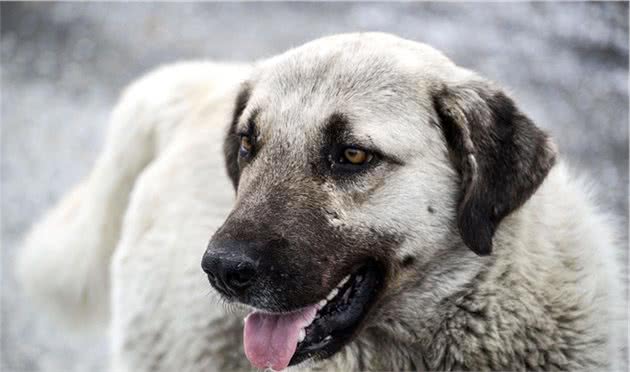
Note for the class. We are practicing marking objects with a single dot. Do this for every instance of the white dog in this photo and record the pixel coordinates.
(401, 205)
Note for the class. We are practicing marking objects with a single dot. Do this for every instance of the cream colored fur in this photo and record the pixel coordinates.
(130, 238)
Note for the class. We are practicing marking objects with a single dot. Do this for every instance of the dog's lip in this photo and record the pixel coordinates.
(332, 329)
(320, 304)
(340, 288)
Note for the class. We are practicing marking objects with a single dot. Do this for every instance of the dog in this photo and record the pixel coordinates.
(384, 209)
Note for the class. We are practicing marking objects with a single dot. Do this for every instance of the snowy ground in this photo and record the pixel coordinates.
(63, 65)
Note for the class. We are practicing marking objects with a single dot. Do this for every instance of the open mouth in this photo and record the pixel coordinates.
(277, 341)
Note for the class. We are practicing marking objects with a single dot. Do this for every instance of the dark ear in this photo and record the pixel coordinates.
(232, 142)
(501, 155)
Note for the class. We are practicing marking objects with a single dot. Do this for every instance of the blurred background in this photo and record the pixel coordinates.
(63, 65)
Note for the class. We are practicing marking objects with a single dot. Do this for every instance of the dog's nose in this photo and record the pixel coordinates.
(228, 273)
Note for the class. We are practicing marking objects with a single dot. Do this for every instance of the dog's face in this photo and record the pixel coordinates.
(360, 161)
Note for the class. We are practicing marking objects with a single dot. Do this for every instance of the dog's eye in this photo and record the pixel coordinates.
(355, 156)
(348, 160)
(246, 145)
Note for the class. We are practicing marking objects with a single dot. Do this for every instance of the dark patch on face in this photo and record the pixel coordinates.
(500, 154)
(313, 257)
(430, 209)
(408, 261)
(337, 137)
(244, 157)
(232, 141)
(251, 129)
(336, 129)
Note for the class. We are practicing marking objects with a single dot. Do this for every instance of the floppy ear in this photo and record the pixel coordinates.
(501, 155)
(231, 143)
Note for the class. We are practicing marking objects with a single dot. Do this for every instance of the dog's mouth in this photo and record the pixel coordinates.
(278, 340)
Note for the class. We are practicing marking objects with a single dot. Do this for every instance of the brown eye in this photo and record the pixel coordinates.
(356, 156)
(246, 144)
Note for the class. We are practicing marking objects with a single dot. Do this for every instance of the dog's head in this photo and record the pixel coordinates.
(358, 161)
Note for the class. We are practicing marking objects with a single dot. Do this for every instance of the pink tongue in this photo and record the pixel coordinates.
(271, 339)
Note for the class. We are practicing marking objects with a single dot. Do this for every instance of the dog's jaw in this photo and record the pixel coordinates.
(316, 331)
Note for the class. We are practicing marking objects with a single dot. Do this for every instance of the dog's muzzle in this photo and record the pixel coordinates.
(294, 317)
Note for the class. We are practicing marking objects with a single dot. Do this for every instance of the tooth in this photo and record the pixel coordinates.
(322, 303)
(302, 335)
(343, 281)
(332, 294)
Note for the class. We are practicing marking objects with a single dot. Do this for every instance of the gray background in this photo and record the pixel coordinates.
(63, 65)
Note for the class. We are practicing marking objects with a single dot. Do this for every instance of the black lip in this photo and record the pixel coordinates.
(339, 320)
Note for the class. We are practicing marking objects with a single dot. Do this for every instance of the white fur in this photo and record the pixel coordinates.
(159, 190)
(64, 262)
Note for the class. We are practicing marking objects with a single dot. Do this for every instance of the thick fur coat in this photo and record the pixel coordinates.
(498, 258)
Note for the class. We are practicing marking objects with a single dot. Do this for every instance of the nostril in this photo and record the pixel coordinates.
(229, 273)
(241, 277)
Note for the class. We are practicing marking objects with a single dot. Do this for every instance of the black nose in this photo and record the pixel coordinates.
(229, 273)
